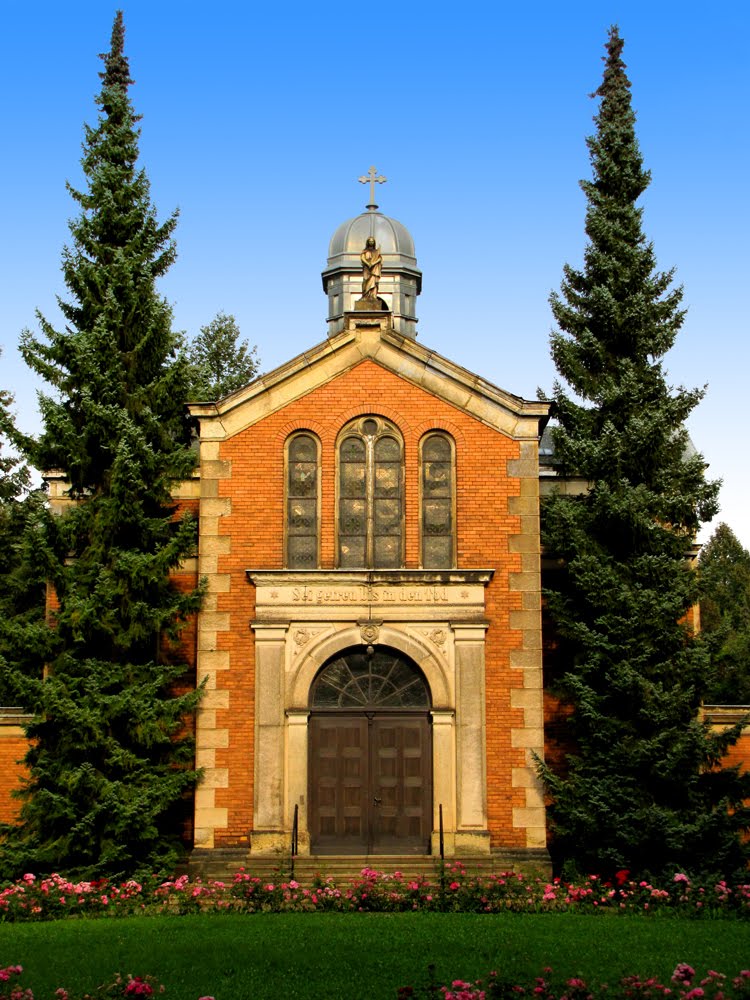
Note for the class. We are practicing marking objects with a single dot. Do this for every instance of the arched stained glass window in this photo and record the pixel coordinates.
(381, 679)
(370, 495)
(438, 502)
(302, 502)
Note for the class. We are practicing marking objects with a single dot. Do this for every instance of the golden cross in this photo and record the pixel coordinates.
(372, 178)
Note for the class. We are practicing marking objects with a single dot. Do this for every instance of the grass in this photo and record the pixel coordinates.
(360, 956)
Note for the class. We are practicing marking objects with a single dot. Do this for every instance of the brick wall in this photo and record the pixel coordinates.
(13, 747)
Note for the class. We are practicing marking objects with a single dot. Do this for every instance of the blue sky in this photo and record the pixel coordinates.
(259, 118)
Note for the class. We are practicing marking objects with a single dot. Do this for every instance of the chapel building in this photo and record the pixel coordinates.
(370, 640)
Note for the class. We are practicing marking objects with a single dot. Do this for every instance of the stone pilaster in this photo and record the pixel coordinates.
(269, 807)
(211, 661)
(529, 738)
(444, 779)
(471, 766)
(296, 778)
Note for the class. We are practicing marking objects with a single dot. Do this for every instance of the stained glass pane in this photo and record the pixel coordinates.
(352, 450)
(387, 450)
(437, 517)
(387, 479)
(302, 479)
(438, 552)
(436, 449)
(352, 551)
(437, 503)
(437, 479)
(353, 479)
(387, 551)
(353, 517)
(302, 449)
(302, 517)
(387, 517)
(303, 552)
(302, 503)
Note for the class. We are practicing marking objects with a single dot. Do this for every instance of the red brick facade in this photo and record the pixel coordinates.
(256, 523)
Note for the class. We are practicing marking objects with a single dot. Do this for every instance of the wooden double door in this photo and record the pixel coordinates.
(370, 783)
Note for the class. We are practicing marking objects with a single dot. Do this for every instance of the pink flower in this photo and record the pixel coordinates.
(683, 974)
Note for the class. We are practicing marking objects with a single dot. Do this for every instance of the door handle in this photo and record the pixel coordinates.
(377, 801)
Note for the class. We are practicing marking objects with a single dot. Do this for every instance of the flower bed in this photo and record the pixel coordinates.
(44, 898)
(715, 986)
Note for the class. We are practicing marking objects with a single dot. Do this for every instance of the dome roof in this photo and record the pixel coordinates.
(391, 236)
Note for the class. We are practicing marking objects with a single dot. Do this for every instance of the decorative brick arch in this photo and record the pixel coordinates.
(380, 409)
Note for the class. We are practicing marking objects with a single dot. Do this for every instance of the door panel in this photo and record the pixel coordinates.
(370, 784)
(339, 782)
(402, 788)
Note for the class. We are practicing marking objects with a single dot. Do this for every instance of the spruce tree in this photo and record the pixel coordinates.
(724, 571)
(219, 361)
(22, 587)
(640, 788)
(110, 760)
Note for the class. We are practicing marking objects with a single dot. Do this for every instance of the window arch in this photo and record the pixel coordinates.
(379, 678)
(438, 501)
(302, 536)
(370, 494)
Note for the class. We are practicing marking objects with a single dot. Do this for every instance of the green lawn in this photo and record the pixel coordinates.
(358, 956)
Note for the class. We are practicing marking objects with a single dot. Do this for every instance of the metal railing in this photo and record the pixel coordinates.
(294, 844)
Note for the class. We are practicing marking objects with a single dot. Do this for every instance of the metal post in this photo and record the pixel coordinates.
(295, 828)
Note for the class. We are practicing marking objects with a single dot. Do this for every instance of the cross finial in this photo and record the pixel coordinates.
(372, 179)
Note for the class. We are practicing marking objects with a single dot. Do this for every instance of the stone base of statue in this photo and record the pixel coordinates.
(369, 305)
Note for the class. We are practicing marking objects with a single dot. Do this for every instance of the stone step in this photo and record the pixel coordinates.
(222, 864)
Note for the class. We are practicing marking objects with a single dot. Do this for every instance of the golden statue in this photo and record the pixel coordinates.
(372, 267)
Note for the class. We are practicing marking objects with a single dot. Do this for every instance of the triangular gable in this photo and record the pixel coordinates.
(373, 339)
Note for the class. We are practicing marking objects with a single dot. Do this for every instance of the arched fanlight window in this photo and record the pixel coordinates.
(370, 495)
(438, 502)
(379, 679)
(302, 502)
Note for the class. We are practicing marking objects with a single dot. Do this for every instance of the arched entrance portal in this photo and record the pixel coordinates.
(370, 755)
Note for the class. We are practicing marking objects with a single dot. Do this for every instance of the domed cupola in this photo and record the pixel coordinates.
(372, 268)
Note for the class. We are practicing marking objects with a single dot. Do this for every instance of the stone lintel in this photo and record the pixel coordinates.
(393, 595)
